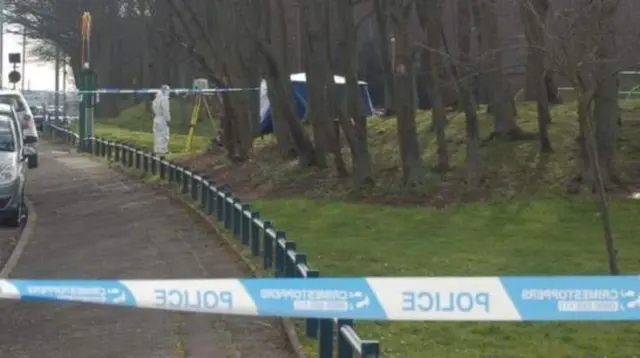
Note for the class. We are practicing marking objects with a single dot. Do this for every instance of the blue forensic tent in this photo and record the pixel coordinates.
(299, 81)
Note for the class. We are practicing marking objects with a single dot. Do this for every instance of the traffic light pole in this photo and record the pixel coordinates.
(87, 107)
(88, 86)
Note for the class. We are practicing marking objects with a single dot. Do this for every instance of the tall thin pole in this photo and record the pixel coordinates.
(24, 57)
(299, 38)
(57, 85)
(64, 86)
(1, 43)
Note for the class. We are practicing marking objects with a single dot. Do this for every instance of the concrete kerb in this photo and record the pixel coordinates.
(22, 241)
(287, 324)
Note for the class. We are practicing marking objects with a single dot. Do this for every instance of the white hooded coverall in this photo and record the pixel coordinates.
(161, 121)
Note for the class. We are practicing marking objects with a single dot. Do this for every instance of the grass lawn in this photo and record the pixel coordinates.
(525, 225)
(550, 236)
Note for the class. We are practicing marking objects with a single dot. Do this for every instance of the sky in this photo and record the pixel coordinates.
(39, 75)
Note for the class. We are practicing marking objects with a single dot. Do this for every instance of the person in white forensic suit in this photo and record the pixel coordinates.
(161, 121)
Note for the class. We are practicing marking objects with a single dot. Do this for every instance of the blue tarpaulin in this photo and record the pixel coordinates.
(299, 81)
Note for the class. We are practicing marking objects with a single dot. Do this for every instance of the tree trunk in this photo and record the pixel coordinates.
(410, 156)
(316, 112)
(500, 101)
(352, 121)
(302, 144)
(333, 113)
(381, 10)
(466, 96)
(534, 14)
(430, 13)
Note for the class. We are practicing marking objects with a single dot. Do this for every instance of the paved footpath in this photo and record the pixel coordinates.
(93, 222)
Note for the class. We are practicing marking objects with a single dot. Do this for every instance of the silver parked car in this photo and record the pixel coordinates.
(27, 122)
(31, 149)
(13, 171)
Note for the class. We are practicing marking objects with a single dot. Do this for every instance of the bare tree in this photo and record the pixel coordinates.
(500, 101)
(467, 99)
(429, 13)
(534, 15)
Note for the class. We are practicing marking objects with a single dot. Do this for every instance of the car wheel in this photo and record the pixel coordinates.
(18, 216)
(33, 161)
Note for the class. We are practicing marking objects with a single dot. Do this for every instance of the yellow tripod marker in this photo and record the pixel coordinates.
(198, 84)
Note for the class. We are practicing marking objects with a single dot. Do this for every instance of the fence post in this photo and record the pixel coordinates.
(300, 259)
(145, 162)
(325, 339)
(311, 324)
(245, 221)
(237, 218)
(125, 154)
(228, 207)
(109, 150)
(163, 168)
(185, 180)
(370, 349)
(194, 187)
(281, 236)
(255, 234)
(267, 251)
(220, 205)
(205, 182)
(344, 347)
(212, 202)
(289, 262)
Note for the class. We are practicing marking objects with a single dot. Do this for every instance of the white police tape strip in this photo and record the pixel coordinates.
(155, 90)
(553, 298)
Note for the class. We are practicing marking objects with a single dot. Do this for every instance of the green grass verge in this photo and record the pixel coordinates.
(501, 238)
(134, 125)
(536, 232)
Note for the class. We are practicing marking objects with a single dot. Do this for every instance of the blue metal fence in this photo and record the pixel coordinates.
(278, 254)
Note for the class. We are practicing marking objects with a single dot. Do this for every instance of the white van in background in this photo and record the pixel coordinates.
(28, 124)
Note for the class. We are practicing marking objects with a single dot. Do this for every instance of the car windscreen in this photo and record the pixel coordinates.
(7, 134)
(13, 100)
(36, 111)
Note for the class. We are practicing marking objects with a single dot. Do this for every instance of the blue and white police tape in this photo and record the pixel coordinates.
(155, 90)
(553, 298)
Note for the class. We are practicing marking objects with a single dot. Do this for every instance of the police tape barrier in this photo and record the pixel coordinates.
(155, 90)
(554, 298)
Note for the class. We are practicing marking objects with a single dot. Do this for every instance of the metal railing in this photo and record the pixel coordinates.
(278, 254)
